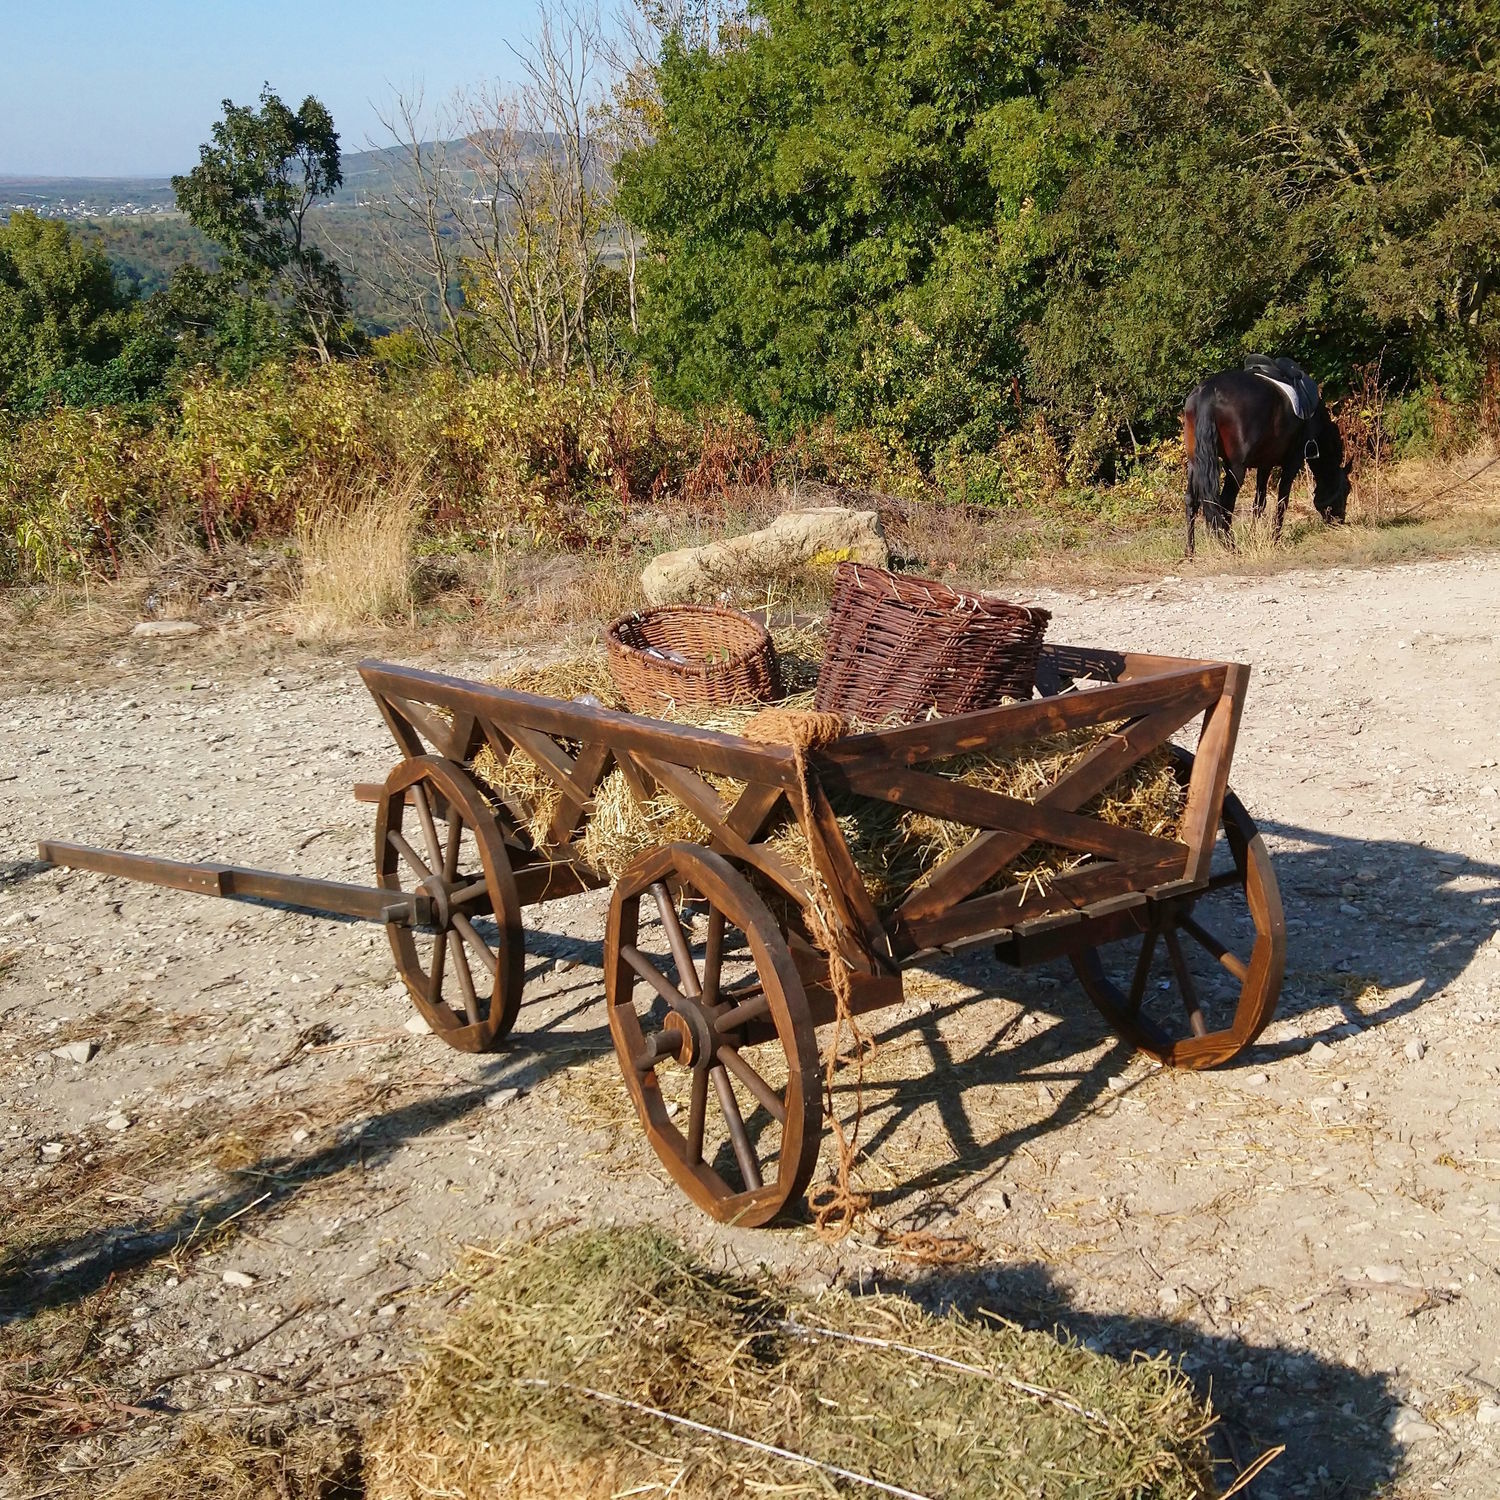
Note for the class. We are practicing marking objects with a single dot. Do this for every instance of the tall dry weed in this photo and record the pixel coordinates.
(357, 557)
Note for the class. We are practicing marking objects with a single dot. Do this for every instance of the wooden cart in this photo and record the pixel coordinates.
(714, 988)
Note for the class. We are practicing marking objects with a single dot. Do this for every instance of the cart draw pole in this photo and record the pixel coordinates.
(329, 898)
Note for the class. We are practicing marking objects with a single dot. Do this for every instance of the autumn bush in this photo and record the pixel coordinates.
(556, 462)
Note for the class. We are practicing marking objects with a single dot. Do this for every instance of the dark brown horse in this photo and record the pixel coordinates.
(1239, 420)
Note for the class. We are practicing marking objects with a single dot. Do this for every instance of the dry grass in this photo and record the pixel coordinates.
(893, 848)
(225, 1462)
(357, 559)
(524, 1393)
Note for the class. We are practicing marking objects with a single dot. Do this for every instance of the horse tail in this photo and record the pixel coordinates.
(1203, 462)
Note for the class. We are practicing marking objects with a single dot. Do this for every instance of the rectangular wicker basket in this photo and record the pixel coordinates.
(904, 648)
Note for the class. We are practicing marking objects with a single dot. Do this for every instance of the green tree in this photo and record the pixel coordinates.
(839, 202)
(60, 306)
(909, 215)
(1300, 175)
(251, 193)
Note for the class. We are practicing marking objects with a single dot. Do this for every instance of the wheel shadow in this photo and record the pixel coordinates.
(1423, 916)
(69, 1267)
(1333, 1422)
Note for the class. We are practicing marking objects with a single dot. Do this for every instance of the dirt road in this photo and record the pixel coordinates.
(258, 1168)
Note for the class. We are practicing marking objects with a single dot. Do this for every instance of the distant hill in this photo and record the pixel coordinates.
(366, 173)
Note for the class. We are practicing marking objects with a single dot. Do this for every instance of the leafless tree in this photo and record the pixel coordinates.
(502, 208)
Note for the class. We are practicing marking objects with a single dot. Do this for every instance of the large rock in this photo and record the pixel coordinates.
(827, 535)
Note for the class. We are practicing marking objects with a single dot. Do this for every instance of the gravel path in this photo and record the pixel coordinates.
(1314, 1230)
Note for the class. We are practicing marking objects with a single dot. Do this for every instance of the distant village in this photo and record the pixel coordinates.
(84, 208)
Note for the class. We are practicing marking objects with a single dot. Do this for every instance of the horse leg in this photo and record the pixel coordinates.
(1289, 472)
(1220, 515)
(1262, 479)
(1192, 522)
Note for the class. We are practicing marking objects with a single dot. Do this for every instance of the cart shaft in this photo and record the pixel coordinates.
(237, 883)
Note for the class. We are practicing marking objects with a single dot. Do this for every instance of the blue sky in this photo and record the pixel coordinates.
(131, 87)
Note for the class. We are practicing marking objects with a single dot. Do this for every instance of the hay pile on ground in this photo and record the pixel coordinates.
(573, 1367)
(893, 848)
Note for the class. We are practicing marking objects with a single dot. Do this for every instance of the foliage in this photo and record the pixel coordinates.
(558, 462)
(839, 205)
(251, 193)
(76, 488)
(923, 219)
(60, 307)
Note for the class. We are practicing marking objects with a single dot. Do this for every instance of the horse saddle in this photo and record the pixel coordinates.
(1296, 384)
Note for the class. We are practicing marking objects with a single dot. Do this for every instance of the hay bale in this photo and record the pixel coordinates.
(894, 850)
(524, 1392)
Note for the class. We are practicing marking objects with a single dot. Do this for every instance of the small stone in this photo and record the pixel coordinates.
(1337, 1087)
(51, 1150)
(417, 1025)
(240, 1279)
(1221, 1306)
(117, 1122)
(1407, 1425)
(1168, 1298)
(1119, 1083)
(388, 1311)
(1415, 1049)
(1044, 1095)
(1488, 1414)
(76, 1052)
(166, 629)
(501, 1097)
(566, 965)
(1320, 1052)
(1255, 1080)
(298, 1136)
(1348, 910)
(224, 1383)
(1384, 1274)
(673, 1109)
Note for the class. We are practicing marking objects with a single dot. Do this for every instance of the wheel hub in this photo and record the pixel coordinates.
(691, 1028)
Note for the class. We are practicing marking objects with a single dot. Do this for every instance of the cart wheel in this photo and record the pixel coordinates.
(719, 1053)
(464, 972)
(1202, 981)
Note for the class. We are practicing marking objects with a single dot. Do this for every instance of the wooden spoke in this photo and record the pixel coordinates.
(1142, 971)
(774, 1162)
(697, 1117)
(450, 854)
(429, 828)
(472, 1016)
(687, 973)
(439, 961)
(1185, 986)
(765, 1095)
(739, 1137)
(652, 975)
(1202, 1029)
(465, 928)
(1211, 944)
(713, 957)
(463, 894)
(465, 975)
(410, 855)
(742, 1014)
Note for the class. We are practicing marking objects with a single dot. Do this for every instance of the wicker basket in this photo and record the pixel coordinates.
(691, 653)
(904, 648)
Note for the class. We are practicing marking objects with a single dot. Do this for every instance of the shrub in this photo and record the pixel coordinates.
(76, 487)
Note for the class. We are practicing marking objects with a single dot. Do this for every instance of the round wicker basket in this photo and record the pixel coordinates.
(691, 653)
(903, 648)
